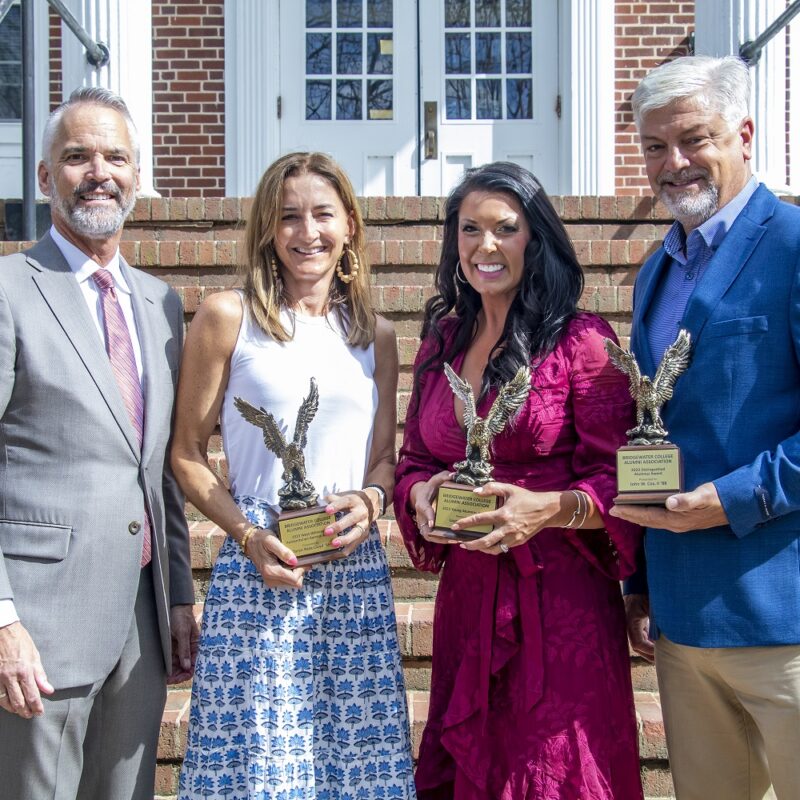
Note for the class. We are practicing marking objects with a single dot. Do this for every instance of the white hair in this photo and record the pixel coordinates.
(720, 84)
(94, 96)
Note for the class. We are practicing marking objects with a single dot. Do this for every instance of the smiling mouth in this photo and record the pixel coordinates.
(489, 269)
(309, 251)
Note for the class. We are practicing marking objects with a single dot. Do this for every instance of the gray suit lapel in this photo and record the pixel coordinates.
(60, 290)
(143, 310)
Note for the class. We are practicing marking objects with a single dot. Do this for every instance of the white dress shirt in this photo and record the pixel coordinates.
(83, 267)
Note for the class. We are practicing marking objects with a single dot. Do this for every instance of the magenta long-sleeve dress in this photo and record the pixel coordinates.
(531, 689)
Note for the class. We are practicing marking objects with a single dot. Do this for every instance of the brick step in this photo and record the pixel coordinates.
(652, 746)
(414, 597)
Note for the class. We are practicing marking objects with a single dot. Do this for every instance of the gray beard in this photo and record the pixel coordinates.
(94, 223)
(691, 208)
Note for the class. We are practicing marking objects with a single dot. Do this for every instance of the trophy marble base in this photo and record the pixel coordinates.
(454, 501)
(648, 474)
(302, 532)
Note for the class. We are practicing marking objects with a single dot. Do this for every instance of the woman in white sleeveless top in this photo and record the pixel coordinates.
(298, 691)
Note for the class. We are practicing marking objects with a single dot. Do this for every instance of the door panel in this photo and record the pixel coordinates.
(348, 88)
(491, 68)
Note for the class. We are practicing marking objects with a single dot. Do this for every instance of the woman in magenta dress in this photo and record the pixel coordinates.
(530, 691)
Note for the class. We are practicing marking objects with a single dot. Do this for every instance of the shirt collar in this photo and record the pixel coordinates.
(714, 229)
(83, 267)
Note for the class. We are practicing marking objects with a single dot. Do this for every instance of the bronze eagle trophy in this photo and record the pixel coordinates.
(476, 469)
(297, 491)
(650, 395)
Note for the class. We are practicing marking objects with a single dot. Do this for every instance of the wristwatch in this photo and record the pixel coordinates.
(381, 496)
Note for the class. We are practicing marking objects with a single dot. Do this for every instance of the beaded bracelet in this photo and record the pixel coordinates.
(246, 537)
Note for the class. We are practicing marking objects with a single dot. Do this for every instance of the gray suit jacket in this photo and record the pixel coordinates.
(73, 481)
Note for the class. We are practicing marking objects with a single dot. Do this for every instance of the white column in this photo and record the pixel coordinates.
(125, 27)
(587, 97)
(722, 26)
(252, 72)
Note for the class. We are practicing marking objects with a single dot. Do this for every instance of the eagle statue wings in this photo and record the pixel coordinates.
(297, 491)
(650, 395)
(476, 470)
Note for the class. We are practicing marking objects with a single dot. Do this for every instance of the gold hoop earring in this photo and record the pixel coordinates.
(352, 263)
(462, 278)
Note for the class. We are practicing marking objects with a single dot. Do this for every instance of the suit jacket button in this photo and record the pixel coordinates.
(134, 527)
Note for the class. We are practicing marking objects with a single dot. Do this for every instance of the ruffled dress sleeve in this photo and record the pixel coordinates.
(603, 411)
(416, 463)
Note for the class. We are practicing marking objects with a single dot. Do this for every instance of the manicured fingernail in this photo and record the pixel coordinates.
(336, 543)
(293, 561)
(330, 510)
(328, 531)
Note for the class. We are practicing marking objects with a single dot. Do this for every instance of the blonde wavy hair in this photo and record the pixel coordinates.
(263, 295)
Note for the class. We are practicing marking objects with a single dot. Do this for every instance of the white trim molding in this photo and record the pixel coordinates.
(723, 25)
(587, 97)
(252, 81)
(126, 28)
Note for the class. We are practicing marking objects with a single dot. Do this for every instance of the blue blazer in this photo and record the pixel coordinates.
(735, 415)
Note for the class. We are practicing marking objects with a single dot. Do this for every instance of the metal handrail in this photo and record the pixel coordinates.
(97, 53)
(750, 52)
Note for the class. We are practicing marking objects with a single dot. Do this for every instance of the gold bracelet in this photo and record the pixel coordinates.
(245, 538)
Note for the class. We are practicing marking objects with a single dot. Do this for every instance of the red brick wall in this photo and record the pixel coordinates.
(55, 58)
(189, 98)
(646, 34)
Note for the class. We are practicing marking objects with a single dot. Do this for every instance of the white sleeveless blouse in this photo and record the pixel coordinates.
(277, 376)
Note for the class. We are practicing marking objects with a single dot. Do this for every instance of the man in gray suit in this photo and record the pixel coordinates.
(95, 582)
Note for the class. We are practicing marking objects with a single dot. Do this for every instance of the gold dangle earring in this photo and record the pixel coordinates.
(276, 276)
(352, 263)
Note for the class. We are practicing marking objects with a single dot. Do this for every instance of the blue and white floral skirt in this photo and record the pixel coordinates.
(299, 694)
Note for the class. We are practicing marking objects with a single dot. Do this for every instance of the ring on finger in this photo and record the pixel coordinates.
(360, 527)
(504, 547)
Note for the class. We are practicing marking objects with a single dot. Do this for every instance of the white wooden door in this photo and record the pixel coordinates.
(489, 85)
(348, 88)
(406, 94)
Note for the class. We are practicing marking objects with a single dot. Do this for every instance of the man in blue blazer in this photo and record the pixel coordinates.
(720, 592)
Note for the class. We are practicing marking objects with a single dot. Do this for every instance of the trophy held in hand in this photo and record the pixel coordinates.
(649, 467)
(302, 520)
(456, 499)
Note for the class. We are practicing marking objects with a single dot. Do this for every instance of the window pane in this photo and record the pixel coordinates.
(11, 36)
(518, 98)
(348, 13)
(489, 99)
(518, 52)
(11, 68)
(487, 14)
(379, 99)
(457, 54)
(380, 49)
(458, 99)
(518, 13)
(318, 99)
(487, 52)
(318, 54)
(456, 13)
(318, 13)
(348, 54)
(379, 13)
(348, 99)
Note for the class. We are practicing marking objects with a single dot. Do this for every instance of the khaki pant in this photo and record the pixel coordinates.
(732, 719)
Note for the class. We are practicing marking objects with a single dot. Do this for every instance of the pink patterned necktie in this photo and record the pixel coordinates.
(123, 362)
